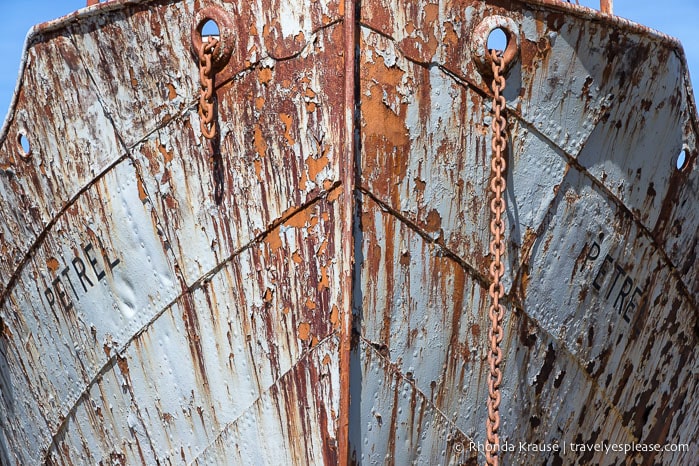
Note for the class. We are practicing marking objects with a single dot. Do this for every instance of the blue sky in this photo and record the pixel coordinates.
(677, 18)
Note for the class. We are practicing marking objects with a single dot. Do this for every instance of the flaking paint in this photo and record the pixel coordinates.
(221, 334)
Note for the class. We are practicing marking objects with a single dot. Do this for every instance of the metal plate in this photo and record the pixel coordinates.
(171, 299)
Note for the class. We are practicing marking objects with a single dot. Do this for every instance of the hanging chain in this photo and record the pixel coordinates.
(497, 268)
(206, 97)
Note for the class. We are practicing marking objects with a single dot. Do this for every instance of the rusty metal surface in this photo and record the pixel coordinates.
(595, 351)
(169, 298)
(144, 320)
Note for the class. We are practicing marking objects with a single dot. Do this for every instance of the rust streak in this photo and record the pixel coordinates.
(304, 358)
(202, 281)
(347, 174)
(470, 269)
(393, 369)
(599, 184)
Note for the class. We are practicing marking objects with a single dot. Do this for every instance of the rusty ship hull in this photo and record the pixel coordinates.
(311, 285)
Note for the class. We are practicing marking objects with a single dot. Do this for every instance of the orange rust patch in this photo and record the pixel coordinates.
(265, 75)
(314, 340)
(434, 221)
(267, 297)
(450, 36)
(300, 38)
(335, 316)
(167, 156)
(298, 220)
(259, 141)
(123, 366)
(288, 121)
(258, 168)
(141, 190)
(274, 240)
(52, 264)
(309, 93)
(296, 257)
(171, 92)
(303, 181)
(304, 331)
(316, 165)
(310, 304)
(324, 282)
(385, 132)
(327, 184)
(259, 103)
(323, 247)
(326, 360)
(286, 310)
(335, 193)
(310, 107)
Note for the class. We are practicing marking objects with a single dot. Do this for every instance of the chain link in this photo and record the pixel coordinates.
(206, 97)
(497, 268)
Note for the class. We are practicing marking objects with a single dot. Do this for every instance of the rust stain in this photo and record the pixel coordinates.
(322, 249)
(434, 221)
(167, 155)
(304, 331)
(324, 282)
(316, 165)
(258, 168)
(265, 75)
(335, 194)
(303, 181)
(274, 239)
(288, 121)
(259, 141)
(52, 264)
(142, 195)
(268, 296)
(335, 316)
(300, 219)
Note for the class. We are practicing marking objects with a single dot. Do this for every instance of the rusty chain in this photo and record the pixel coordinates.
(206, 96)
(497, 268)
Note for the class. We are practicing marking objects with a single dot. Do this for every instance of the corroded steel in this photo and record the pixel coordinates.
(158, 307)
(206, 97)
(496, 312)
(583, 160)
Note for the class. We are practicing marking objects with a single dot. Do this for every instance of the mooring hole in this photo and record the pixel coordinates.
(497, 40)
(682, 160)
(210, 29)
(25, 148)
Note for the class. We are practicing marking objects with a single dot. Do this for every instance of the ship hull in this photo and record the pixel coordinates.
(310, 286)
